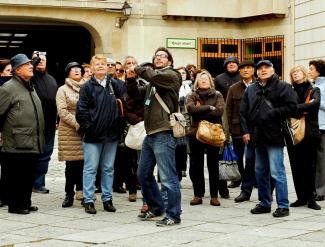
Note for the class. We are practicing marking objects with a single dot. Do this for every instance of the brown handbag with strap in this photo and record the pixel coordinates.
(210, 133)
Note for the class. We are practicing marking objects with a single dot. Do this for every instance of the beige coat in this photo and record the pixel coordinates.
(70, 146)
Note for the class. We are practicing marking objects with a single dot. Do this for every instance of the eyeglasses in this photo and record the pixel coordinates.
(160, 56)
(111, 65)
(120, 70)
(76, 69)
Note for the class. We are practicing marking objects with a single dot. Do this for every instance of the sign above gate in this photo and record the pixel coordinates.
(181, 43)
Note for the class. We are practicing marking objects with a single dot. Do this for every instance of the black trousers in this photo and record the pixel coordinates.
(181, 160)
(3, 181)
(302, 161)
(20, 170)
(132, 167)
(120, 166)
(239, 149)
(73, 176)
(198, 149)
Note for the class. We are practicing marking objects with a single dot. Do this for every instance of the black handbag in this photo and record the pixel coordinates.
(228, 167)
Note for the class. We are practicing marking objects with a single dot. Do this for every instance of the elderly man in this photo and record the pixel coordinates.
(266, 103)
(159, 145)
(46, 88)
(23, 134)
(235, 95)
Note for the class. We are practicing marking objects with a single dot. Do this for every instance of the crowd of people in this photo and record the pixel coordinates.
(99, 101)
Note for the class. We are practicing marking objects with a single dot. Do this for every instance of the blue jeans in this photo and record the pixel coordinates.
(103, 155)
(43, 162)
(269, 163)
(159, 149)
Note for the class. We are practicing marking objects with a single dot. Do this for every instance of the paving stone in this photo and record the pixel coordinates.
(9, 226)
(52, 243)
(317, 236)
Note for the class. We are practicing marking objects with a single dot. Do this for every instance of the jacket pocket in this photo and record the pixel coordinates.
(23, 138)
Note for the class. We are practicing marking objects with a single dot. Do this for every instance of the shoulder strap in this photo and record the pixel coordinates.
(308, 96)
(162, 103)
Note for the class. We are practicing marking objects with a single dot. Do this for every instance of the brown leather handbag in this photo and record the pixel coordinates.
(210, 133)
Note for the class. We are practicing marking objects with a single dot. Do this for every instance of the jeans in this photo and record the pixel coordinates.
(160, 148)
(103, 155)
(269, 163)
(43, 162)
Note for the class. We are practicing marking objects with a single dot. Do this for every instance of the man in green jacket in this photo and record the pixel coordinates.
(159, 145)
(23, 134)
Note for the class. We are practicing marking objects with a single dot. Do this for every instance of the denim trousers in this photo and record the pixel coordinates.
(269, 164)
(159, 149)
(102, 155)
(43, 162)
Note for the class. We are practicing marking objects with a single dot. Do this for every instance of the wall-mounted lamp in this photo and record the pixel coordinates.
(127, 9)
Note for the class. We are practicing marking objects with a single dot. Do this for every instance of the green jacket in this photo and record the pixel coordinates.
(166, 83)
(22, 117)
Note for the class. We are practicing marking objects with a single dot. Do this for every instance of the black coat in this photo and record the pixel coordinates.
(224, 81)
(310, 110)
(98, 113)
(46, 88)
(266, 126)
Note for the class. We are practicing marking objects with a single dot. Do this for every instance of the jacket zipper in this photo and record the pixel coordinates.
(37, 121)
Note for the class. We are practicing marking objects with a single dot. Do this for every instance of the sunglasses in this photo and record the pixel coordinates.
(120, 70)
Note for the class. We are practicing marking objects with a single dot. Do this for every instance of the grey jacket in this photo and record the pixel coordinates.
(22, 117)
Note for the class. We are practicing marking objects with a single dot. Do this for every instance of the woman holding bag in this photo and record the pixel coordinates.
(205, 103)
(302, 155)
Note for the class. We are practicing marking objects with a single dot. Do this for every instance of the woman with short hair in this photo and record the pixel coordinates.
(302, 155)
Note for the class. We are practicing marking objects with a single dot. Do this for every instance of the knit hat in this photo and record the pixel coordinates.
(230, 59)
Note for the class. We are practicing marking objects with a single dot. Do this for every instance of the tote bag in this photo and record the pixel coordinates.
(135, 136)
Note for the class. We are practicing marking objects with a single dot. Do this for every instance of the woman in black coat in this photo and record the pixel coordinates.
(302, 155)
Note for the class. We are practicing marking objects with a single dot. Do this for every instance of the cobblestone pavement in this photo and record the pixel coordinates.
(231, 224)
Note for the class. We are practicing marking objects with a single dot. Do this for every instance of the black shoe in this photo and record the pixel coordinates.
(314, 205)
(90, 208)
(41, 190)
(242, 197)
(18, 211)
(67, 202)
(1, 204)
(259, 209)
(224, 195)
(234, 184)
(297, 204)
(281, 212)
(119, 189)
(33, 208)
(319, 198)
(108, 206)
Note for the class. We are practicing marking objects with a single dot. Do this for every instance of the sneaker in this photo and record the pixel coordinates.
(145, 208)
(314, 205)
(215, 201)
(281, 212)
(297, 204)
(147, 216)
(41, 190)
(168, 222)
(108, 206)
(196, 201)
(133, 197)
(259, 209)
(90, 208)
(79, 195)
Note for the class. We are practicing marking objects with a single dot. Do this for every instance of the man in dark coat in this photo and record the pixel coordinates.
(265, 105)
(23, 134)
(46, 88)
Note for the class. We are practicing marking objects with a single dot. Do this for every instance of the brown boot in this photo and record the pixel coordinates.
(215, 201)
(196, 201)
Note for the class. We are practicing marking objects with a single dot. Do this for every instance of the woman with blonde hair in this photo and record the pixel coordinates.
(205, 103)
(70, 146)
(302, 155)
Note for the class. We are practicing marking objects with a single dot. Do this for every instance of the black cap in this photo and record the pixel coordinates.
(246, 63)
(264, 62)
(72, 65)
(18, 60)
